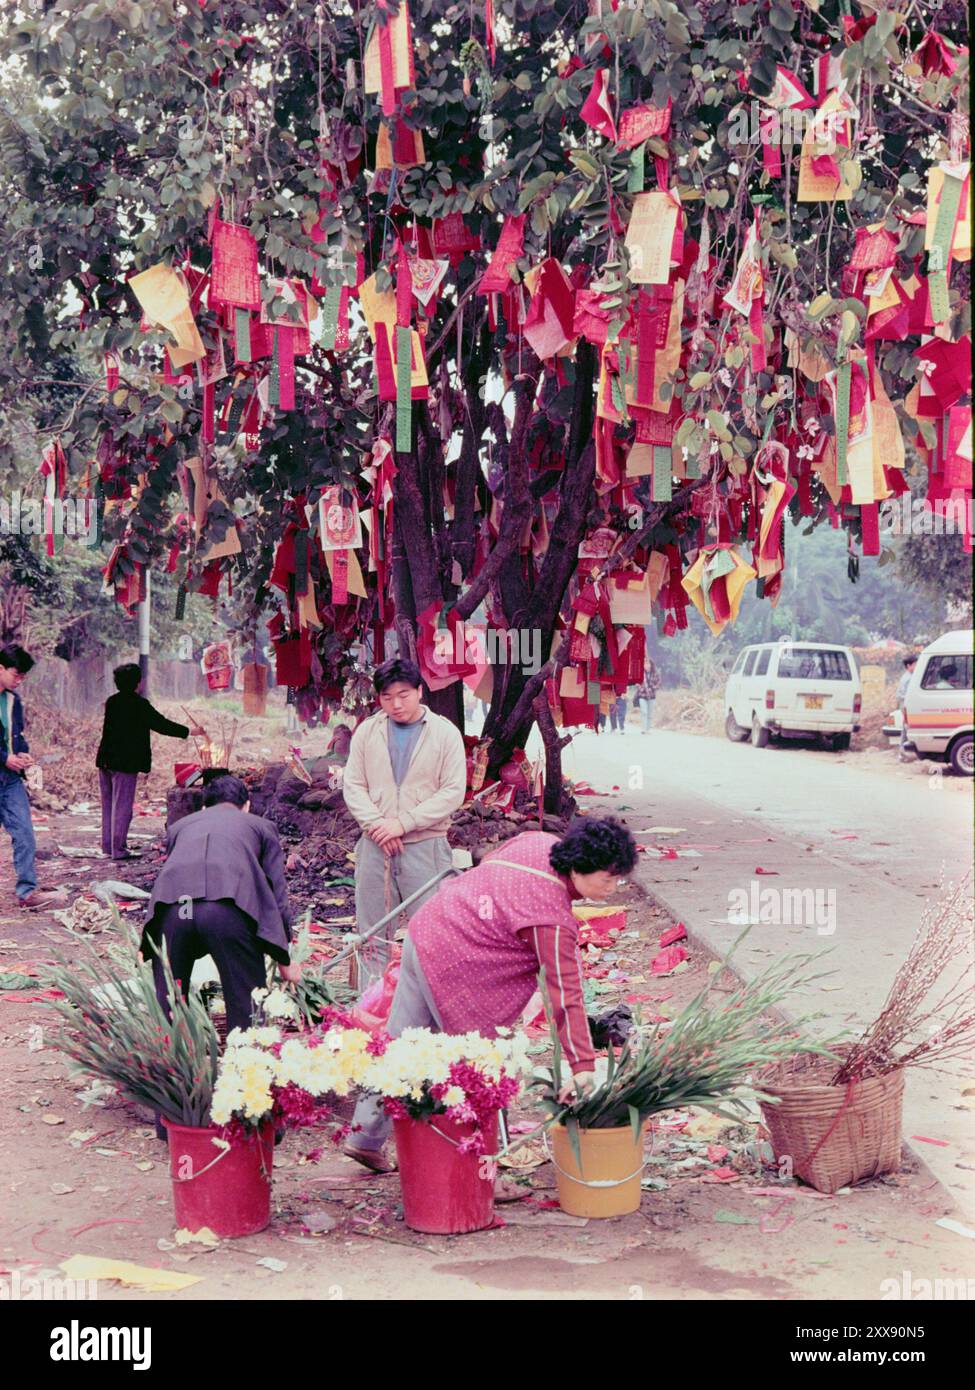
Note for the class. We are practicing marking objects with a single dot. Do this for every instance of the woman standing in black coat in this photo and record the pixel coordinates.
(124, 752)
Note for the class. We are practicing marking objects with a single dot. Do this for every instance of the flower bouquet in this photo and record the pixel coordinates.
(706, 1057)
(465, 1078)
(445, 1094)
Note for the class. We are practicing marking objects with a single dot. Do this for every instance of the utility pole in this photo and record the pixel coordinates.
(145, 610)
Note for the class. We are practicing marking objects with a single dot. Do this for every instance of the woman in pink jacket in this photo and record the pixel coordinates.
(474, 950)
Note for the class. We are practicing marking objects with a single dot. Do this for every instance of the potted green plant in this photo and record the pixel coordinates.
(113, 1027)
(706, 1057)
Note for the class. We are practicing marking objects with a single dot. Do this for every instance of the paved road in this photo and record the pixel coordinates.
(869, 836)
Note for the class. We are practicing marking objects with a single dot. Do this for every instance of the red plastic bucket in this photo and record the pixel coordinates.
(444, 1192)
(228, 1190)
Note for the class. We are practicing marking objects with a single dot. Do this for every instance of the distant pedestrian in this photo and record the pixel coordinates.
(124, 752)
(909, 663)
(15, 760)
(646, 693)
(617, 714)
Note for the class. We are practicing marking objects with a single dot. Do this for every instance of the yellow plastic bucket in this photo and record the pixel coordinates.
(608, 1183)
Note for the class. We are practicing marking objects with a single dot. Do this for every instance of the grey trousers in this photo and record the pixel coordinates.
(408, 871)
(413, 1007)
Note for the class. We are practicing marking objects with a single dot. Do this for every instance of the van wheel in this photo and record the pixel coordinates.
(961, 757)
(840, 743)
(734, 730)
(760, 735)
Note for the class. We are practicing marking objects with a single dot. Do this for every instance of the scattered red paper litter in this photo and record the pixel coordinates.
(675, 933)
(673, 955)
(840, 1226)
(770, 873)
(716, 1152)
(721, 1175)
(923, 1138)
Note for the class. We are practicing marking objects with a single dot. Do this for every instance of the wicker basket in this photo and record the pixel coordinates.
(835, 1135)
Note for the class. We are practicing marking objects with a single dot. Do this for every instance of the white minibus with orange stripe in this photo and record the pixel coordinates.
(938, 703)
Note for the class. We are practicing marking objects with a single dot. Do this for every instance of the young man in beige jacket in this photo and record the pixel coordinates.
(405, 775)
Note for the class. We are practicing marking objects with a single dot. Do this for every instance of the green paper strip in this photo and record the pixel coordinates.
(180, 612)
(637, 174)
(592, 692)
(274, 384)
(618, 395)
(939, 257)
(693, 466)
(627, 365)
(242, 325)
(330, 317)
(663, 467)
(404, 403)
(843, 374)
(234, 418)
(98, 502)
(301, 562)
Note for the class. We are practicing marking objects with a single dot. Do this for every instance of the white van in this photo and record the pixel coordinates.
(938, 704)
(793, 688)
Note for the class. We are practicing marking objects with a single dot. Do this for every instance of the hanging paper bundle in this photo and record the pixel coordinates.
(254, 678)
(380, 474)
(292, 653)
(290, 337)
(453, 239)
(715, 584)
(235, 288)
(497, 277)
(597, 109)
(747, 295)
(772, 494)
(54, 470)
(637, 126)
(935, 55)
(164, 295)
(775, 128)
(548, 325)
(125, 577)
(340, 535)
(828, 139)
(389, 62)
(948, 230)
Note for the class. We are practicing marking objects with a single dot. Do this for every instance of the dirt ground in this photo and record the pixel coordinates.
(84, 1173)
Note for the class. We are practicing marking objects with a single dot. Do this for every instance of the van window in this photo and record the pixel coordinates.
(947, 673)
(739, 663)
(810, 663)
(763, 660)
(750, 662)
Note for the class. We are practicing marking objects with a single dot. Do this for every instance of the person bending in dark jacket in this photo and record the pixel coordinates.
(222, 893)
(124, 752)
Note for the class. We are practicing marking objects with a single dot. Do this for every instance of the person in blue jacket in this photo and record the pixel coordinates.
(15, 759)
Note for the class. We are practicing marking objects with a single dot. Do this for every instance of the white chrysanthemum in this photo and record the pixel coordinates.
(280, 1004)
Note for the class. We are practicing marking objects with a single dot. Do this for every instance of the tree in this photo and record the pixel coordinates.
(155, 120)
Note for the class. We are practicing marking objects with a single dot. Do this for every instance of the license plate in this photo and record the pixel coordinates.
(814, 701)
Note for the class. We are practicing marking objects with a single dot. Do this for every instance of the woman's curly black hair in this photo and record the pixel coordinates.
(590, 845)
